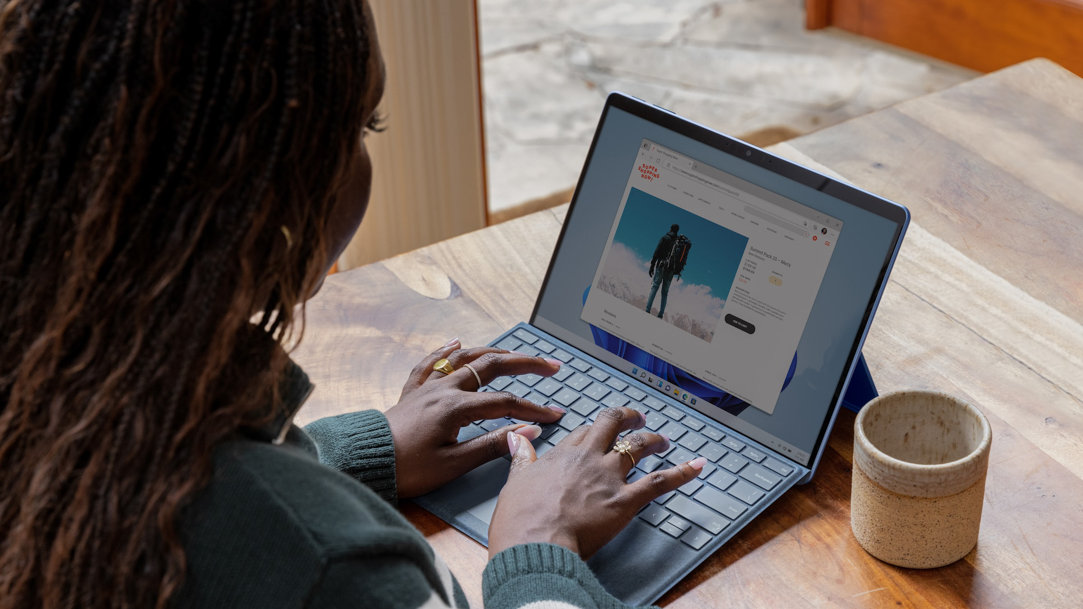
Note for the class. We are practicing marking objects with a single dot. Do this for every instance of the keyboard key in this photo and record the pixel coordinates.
(525, 336)
(528, 379)
(671, 529)
(672, 412)
(543, 448)
(596, 391)
(655, 420)
(654, 514)
(693, 424)
(518, 389)
(745, 492)
(721, 503)
(680, 455)
(537, 398)
(712, 452)
(598, 374)
(753, 454)
(580, 365)
(617, 384)
(721, 479)
(565, 397)
(672, 430)
(692, 441)
(651, 463)
(584, 407)
(713, 434)
(491, 424)
(562, 355)
(779, 467)
(528, 350)
(708, 469)
(570, 421)
(679, 523)
(500, 382)
(557, 436)
(760, 477)
(509, 343)
(691, 486)
(698, 514)
(662, 499)
(633, 475)
(733, 462)
(547, 387)
(634, 393)
(732, 444)
(544, 347)
(563, 373)
(470, 432)
(696, 538)
(614, 400)
(654, 402)
(578, 382)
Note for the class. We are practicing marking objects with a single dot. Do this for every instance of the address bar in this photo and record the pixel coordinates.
(776, 220)
(768, 216)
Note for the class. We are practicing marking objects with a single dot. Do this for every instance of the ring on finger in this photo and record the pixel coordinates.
(624, 447)
(444, 366)
(476, 375)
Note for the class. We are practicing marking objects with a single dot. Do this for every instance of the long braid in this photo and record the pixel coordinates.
(146, 178)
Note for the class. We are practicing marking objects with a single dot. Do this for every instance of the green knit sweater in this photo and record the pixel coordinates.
(311, 523)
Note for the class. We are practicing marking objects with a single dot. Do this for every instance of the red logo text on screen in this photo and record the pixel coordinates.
(648, 172)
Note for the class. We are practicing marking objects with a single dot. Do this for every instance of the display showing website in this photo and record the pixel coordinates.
(713, 283)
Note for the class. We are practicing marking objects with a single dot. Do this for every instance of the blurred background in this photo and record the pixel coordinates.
(492, 103)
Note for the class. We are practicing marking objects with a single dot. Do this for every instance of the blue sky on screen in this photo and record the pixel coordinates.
(716, 251)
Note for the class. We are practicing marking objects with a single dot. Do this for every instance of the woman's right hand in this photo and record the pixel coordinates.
(576, 495)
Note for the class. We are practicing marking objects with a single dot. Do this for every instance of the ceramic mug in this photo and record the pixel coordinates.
(920, 459)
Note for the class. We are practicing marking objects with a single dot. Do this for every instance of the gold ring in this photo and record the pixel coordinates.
(624, 447)
(443, 366)
(476, 375)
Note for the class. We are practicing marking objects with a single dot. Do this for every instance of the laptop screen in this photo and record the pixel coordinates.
(730, 280)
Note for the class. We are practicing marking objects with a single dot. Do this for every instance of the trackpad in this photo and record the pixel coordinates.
(468, 502)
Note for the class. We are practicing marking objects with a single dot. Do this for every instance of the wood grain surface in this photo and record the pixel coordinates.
(985, 302)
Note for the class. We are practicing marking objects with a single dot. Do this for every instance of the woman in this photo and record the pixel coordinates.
(178, 176)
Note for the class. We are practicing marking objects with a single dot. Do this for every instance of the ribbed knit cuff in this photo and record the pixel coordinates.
(358, 444)
(538, 572)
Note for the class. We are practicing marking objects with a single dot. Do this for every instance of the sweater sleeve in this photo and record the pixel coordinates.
(358, 444)
(387, 581)
(543, 573)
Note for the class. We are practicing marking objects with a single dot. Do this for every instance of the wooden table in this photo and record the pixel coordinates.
(986, 302)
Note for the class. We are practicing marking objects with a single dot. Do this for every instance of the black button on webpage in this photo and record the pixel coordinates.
(740, 324)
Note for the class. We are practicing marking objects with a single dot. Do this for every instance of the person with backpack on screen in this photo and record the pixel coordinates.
(670, 256)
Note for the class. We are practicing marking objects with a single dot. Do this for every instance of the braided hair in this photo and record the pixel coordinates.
(167, 169)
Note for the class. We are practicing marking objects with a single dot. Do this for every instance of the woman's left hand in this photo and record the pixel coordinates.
(434, 406)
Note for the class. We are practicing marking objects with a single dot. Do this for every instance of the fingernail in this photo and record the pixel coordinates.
(668, 442)
(451, 342)
(530, 432)
(513, 443)
(554, 362)
(556, 409)
(698, 463)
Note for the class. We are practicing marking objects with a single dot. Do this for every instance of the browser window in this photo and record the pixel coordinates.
(711, 274)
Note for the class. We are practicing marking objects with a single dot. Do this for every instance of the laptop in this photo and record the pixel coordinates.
(722, 291)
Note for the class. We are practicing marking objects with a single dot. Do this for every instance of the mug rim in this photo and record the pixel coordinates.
(864, 445)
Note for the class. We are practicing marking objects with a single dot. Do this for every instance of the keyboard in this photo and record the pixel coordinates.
(736, 477)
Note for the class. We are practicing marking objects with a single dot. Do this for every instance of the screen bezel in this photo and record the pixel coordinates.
(895, 213)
